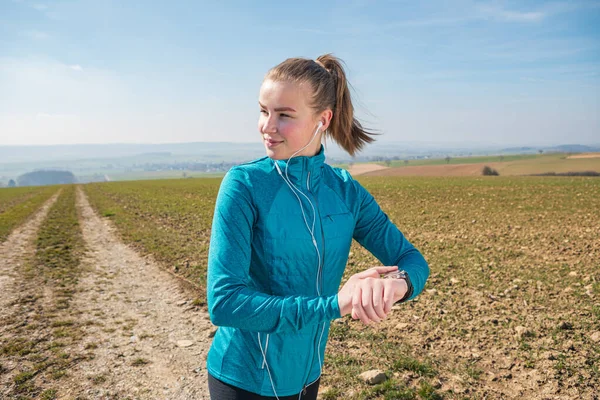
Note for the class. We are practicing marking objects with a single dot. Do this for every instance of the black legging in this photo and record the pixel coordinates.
(220, 390)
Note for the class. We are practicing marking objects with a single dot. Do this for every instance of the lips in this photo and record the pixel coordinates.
(272, 142)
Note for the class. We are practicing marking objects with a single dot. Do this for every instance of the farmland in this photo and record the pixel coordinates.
(511, 308)
(508, 165)
(512, 260)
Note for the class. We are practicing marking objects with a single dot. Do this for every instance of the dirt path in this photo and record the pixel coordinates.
(360, 169)
(13, 254)
(148, 341)
(585, 155)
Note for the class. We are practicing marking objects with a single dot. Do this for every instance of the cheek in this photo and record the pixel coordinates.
(289, 129)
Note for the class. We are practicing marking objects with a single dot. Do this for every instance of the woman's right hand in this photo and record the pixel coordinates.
(367, 296)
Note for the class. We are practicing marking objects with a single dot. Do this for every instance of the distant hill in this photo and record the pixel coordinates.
(563, 148)
(574, 148)
(40, 178)
(121, 161)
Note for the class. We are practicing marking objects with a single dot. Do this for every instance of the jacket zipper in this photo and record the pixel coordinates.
(319, 277)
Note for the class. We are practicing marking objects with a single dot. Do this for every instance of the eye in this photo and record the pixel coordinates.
(263, 111)
(285, 115)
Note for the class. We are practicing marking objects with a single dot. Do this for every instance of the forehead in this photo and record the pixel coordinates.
(284, 93)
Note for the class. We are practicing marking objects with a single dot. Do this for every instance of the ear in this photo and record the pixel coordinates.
(325, 117)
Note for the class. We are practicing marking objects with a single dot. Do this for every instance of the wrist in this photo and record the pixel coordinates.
(405, 288)
(401, 290)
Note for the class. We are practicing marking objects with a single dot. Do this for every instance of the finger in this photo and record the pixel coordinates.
(374, 272)
(384, 270)
(377, 300)
(367, 302)
(354, 315)
(388, 298)
(356, 303)
(369, 273)
(358, 307)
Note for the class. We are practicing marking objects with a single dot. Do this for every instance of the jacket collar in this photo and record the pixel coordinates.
(303, 171)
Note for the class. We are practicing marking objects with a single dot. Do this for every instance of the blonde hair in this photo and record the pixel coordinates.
(327, 78)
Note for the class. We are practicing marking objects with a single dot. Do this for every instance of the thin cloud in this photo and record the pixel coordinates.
(512, 16)
(54, 116)
(487, 12)
(76, 67)
(35, 35)
(40, 7)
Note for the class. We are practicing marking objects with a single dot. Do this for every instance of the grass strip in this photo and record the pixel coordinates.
(18, 204)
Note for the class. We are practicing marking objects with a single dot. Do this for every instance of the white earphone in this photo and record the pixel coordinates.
(295, 190)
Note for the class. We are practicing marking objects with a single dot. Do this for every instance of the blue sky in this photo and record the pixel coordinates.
(457, 72)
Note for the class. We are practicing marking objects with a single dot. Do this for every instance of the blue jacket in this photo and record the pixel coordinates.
(262, 282)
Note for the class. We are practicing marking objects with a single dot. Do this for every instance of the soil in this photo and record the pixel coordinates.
(360, 169)
(432, 170)
(587, 155)
(14, 252)
(147, 338)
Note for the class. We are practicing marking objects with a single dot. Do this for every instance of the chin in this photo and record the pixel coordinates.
(274, 154)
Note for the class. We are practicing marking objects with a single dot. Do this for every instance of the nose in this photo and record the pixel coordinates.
(268, 125)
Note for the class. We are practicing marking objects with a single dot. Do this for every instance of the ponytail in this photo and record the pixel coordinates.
(330, 90)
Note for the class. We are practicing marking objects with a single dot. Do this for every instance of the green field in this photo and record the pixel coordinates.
(149, 175)
(18, 204)
(453, 160)
(512, 296)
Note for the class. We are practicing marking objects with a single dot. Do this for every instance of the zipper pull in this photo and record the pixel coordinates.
(304, 391)
(308, 181)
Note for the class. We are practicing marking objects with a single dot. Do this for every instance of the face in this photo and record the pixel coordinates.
(287, 122)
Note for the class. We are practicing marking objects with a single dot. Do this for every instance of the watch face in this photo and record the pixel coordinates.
(395, 275)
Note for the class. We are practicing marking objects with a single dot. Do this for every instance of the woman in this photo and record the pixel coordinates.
(281, 236)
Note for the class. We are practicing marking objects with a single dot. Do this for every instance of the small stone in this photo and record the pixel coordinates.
(595, 337)
(197, 370)
(133, 339)
(573, 273)
(184, 343)
(569, 345)
(373, 376)
(211, 332)
(181, 303)
(454, 281)
(431, 291)
(522, 332)
(566, 326)
(402, 325)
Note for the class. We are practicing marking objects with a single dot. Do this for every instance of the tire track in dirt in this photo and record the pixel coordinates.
(14, 252)
(148, 340)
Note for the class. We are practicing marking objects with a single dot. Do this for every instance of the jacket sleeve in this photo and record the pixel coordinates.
(375, 232)
(231, 302)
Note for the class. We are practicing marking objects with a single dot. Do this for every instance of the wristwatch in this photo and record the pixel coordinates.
(401, 274)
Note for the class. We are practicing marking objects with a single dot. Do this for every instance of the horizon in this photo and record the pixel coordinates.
(449, 145)
(493, 73)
